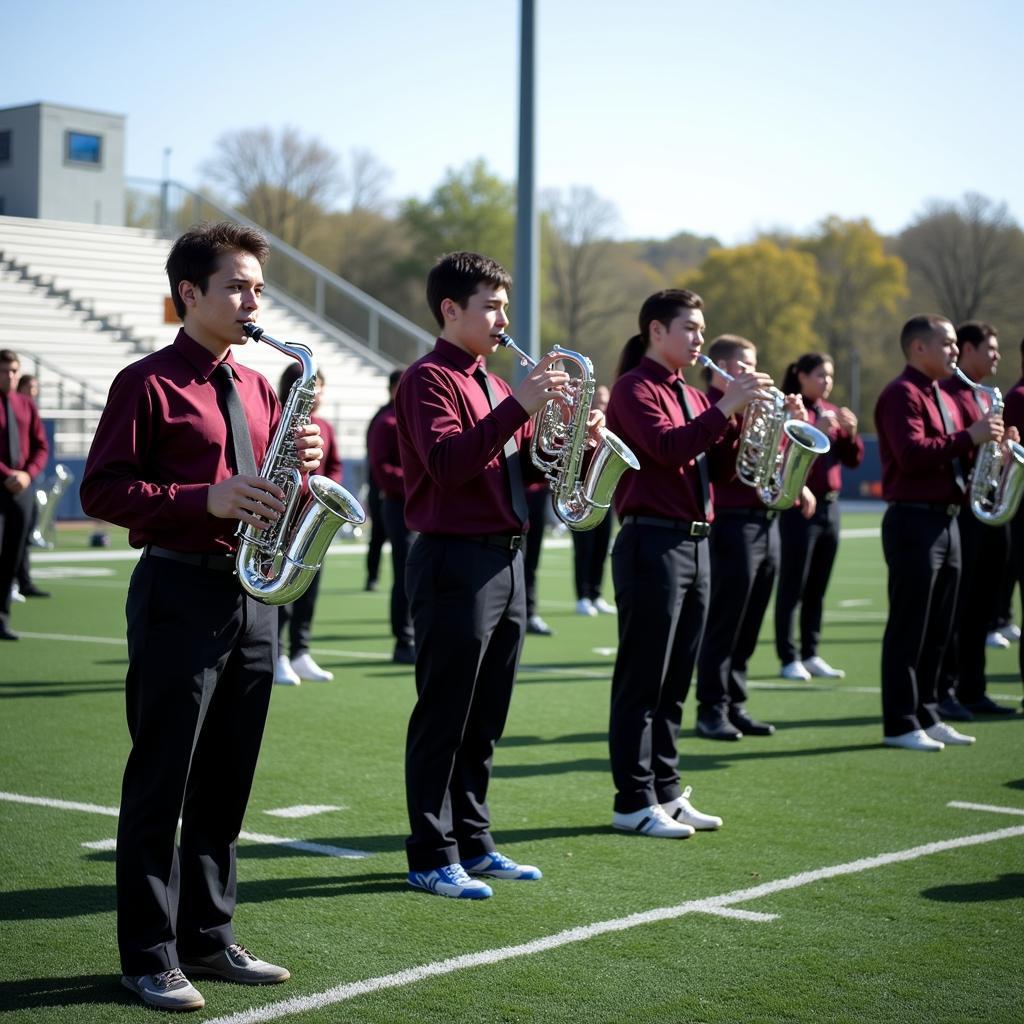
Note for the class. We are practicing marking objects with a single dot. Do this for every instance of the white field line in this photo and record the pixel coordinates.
(304, 810)
(714, 904)
(995, 809)
(252, 837)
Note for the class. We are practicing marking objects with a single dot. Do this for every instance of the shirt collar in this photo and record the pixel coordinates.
(660, 373)
(202, 359)
(916, 377)
(459, 358)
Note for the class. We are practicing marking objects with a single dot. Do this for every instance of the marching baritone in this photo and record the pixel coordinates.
(660, 562)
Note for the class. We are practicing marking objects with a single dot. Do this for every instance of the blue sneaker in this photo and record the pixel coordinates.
(451, 880)
(497, 865)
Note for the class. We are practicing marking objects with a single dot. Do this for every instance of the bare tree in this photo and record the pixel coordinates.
(582, 262)
(280, 180)
(368, 179)
(967, 255)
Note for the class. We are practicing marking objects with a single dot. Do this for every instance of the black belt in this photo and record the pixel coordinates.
(220, 563)
(505, 541)
(928, 506)
(749, 513)
(829, 497)
(693, 529)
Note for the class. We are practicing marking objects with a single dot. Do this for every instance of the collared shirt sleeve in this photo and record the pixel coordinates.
(903, 415)
(31, 435)
(382, 452)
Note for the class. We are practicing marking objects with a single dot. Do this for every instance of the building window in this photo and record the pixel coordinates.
(83, 148)
(5, 146)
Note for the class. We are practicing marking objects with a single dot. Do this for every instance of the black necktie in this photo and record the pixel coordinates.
(13, 441)
(701, 460)
(959, 476)
(241, 442)
(513, 470)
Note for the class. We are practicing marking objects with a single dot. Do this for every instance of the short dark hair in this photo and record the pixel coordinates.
(975, 333)
(457, 275)
(725, 346)
(394, 377)
(25, 381)
(194, 256)
(807, 363)
(289, 375)
(924, 325)
(663, 306)
(8, 355)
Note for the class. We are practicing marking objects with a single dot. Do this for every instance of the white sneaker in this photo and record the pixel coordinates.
(820, 667)
(916, 740)
(166, 990)
(17, 595)
(682, 810)
(603, 606)
(794, 670)
(584, 606)
(943, 733)
(652, 821)
(284, 674)
(1011, 631)
(997, 640)
(306, 668)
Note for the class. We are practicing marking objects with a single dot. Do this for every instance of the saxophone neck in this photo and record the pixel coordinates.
(302, 354)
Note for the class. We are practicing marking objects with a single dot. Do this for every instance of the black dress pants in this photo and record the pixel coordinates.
(296, 619)
(468, 603)
(378, 534)
(200, 671)
(807, 552)
(16, 512)
(744, 552)
(393, 513)
(922, 551)
(590, 548)
(661, 589)
(538, 501)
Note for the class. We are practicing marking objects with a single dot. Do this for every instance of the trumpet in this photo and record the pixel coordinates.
(997, 482)
(777, 472)
(560, 441)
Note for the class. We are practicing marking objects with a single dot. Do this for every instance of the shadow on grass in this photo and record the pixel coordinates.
(535, 741)
(1015, 784)
(63, 990)
(56, 688)
(1005, 887)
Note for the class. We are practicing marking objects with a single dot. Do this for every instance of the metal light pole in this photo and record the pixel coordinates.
(527, 272)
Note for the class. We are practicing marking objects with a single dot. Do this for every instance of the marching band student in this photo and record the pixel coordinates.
(378, 535)
(461, 432)
(744, 550)
(660, 561)
(295, 620)
(984, 551)
(922, 446)
(1013, 416)
(385, 465)
(174, 460)
(808, 544)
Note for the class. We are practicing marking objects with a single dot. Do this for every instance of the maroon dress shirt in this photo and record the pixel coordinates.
(644, 410)
(385, 458)
(32, 441)
(916, 452)
(1013, 410)
(728, 490)
(163, 440)
(826, 472)
(450, 442)
(330, 464)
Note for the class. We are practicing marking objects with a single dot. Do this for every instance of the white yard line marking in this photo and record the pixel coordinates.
(714, 904)
(74, 638)
(101, 844)
(856, 602)
(964, 806)
(304, 810)
(253, 837)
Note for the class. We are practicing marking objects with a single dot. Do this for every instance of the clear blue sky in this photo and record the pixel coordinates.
(719, 118)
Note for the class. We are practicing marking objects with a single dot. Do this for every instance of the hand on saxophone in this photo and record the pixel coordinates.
(249, 499)
(595, 428)
(988, 428)
(808, 503)
(743, 389)
(309, 448)
(794, 405)
(537, 389)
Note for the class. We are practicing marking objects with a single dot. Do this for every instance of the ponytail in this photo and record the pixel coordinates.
(632, 352)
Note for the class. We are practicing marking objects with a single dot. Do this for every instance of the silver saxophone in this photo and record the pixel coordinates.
(559, 443)
(997, 482)
(777, 472)
(277, 564)
(47, 499)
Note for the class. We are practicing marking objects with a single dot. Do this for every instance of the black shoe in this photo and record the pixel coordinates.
(717, 728)
(7, 634)
(34, 591)
(987, 706)
(405, 654)
(951, 710)
(371, 585)
(749, 726)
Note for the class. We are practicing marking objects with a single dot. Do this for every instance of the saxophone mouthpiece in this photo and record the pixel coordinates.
(252, 331)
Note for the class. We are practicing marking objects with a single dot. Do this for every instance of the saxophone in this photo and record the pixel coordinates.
(997, 482)
(277, 564)
(47, 501)
(560, 442)
(778, 473)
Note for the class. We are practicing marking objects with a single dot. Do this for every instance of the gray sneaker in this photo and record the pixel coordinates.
(168, 990)
(236, 963)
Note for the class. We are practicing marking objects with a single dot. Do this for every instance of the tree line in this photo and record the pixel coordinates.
(843, 288)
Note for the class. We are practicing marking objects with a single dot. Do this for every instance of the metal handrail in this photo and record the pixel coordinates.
(334, 300)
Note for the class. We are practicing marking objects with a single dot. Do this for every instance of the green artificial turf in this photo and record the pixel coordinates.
(934, 938)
